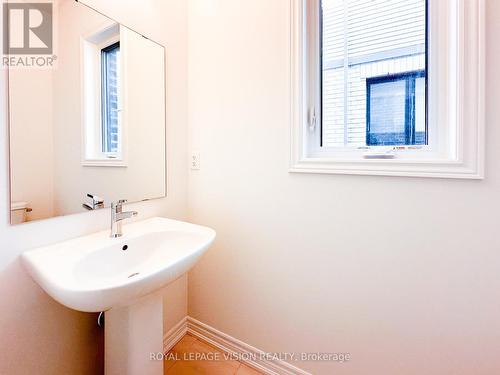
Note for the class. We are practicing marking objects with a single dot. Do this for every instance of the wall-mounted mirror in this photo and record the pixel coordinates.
(90, 129)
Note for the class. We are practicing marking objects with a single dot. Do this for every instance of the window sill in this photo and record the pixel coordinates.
(389, 167)
(104, 163)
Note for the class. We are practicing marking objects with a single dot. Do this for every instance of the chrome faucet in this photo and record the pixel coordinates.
(117, 216)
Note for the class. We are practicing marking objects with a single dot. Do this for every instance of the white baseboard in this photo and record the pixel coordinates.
(247, 354)
(174, 335)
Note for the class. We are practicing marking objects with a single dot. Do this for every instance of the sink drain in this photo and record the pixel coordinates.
(134, 274)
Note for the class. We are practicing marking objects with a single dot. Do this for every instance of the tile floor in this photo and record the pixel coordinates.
(191, 356)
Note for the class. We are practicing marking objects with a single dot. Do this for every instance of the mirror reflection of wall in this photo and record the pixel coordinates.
(92, 129)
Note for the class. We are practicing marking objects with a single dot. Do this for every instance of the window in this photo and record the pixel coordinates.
(379, 87)
(395, 110)
(110, 99)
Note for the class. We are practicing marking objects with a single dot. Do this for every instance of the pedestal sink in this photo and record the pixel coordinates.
(122, 276)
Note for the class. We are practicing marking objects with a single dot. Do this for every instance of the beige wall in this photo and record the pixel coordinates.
(400, 272)
(37, 335)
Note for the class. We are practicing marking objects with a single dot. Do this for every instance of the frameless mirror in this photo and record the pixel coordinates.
(90, 128)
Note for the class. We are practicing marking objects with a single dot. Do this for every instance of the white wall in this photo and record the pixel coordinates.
(37, 335)
(400, 272)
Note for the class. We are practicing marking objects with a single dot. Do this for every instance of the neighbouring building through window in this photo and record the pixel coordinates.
(374, 76)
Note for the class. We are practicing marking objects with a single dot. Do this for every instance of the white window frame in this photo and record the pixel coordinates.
(91, 47)
(455, 106)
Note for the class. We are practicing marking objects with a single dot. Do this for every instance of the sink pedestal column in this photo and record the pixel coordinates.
(133, 337)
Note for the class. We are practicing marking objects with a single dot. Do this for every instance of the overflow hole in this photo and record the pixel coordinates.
(125, 247)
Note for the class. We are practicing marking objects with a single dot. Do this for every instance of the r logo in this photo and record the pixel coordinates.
(27, 29)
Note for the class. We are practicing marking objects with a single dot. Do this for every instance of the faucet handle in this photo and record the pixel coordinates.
(118, 204)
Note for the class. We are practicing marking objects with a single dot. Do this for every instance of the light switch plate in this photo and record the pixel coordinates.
(195, 160)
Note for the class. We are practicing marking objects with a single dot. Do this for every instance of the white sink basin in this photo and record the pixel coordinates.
(96, 273)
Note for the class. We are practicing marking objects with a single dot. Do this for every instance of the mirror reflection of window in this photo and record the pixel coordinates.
(93, 129)
(110, 57)
(103, 86)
